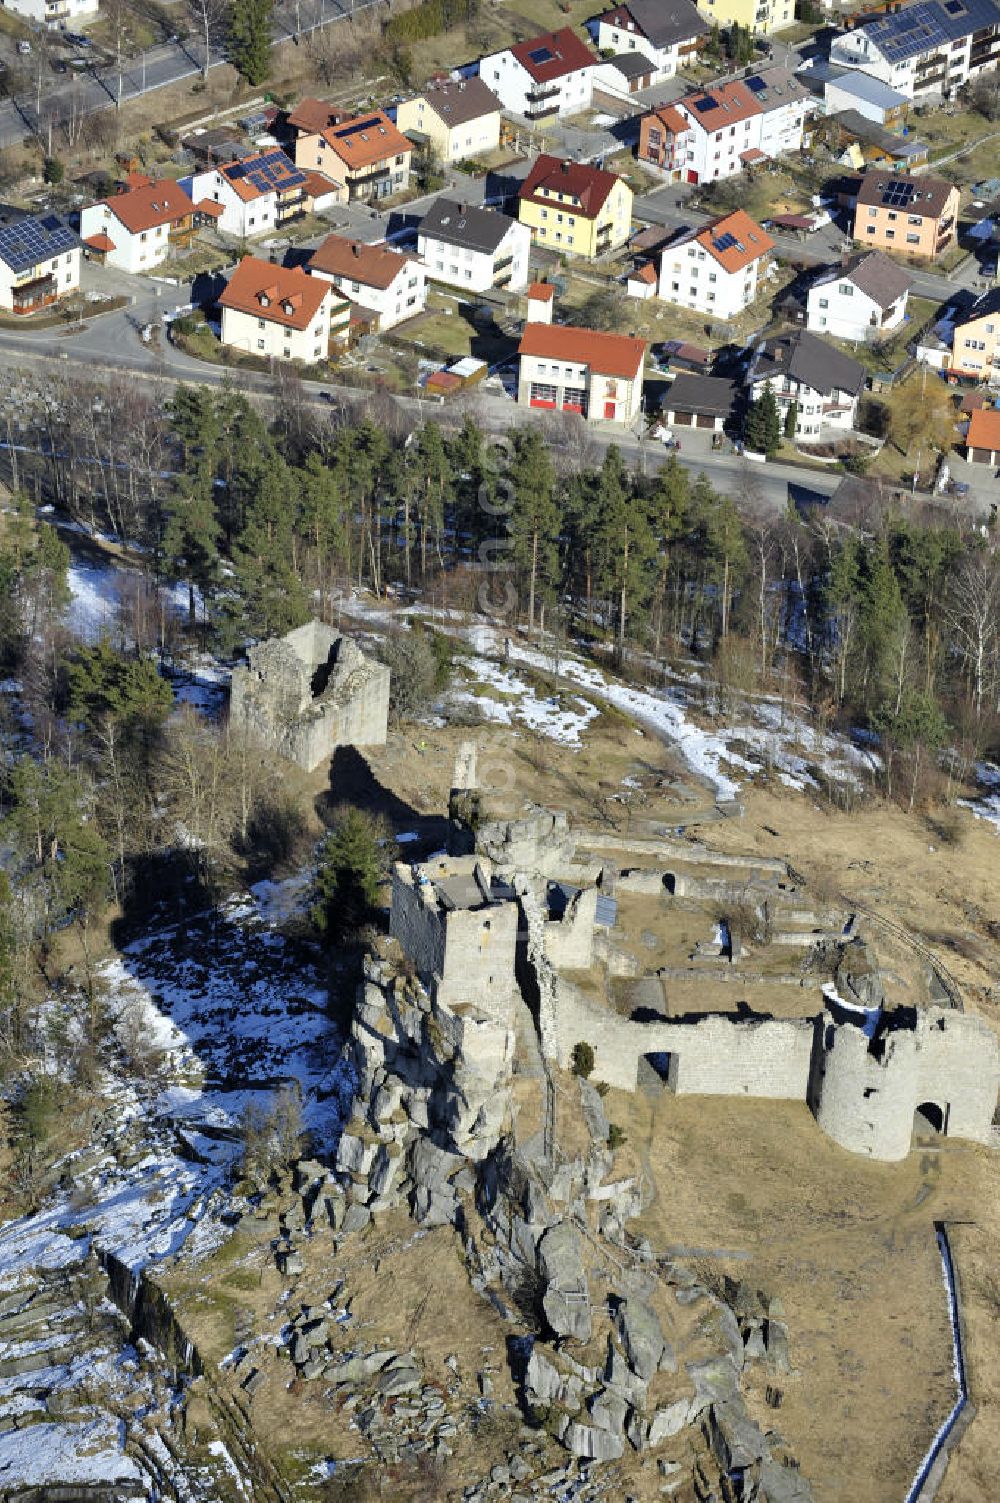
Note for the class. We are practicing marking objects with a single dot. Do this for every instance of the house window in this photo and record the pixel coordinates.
(845, 289)
(913, 239)
(824, 302)
(260, 344)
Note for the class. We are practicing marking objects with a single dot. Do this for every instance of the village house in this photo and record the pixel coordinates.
(548, 76)
(460, 119)
(566, 369)
(927, 50)
(39, 263)
(982, 441)
(915, 217)
(784, 103)
(758, 16)
(282, 313)
(310, 116)
(257, 194)
(723, 131)
(667, 32)
(975, 341)
(571, 207)
(663, 142)
(473, 248)
(820, 382)
(862, 301)
(390, 286)
(731, 126)
(366, 153)
(137, 229)
(715, 270)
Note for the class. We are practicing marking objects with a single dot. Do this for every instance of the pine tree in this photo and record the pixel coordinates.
(250, 39)
(534, 518)
(348, 876)
(762, 428)
(624, 542)
(105, 685)
(791, 419)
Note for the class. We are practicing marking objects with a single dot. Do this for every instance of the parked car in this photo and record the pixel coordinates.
(23, 47)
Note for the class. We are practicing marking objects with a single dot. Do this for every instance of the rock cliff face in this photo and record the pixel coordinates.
(626, 1354)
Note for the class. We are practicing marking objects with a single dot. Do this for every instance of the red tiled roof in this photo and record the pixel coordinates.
(283, 295)
(607, 354)
(984, 429)
(312, 115)
(160, 202)
(100, 242)
(672, 119)
(752, 154)
(366, 139)
(375, 265)
(281, 174)
(318, 185)
(206, 206)
(553, 55)
(542, 292)
(742, 238)
(589, 186)
(645, 274)
(723, 104)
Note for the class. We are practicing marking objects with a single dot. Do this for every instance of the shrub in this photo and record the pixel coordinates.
(616, 1136)
(420, 664)
(582, 1059)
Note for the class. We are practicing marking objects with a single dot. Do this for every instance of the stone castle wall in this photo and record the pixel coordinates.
(864, 1092)
(307, 693)
(464, 955)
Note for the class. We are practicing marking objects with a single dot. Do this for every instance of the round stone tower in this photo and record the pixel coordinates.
(865, 1075)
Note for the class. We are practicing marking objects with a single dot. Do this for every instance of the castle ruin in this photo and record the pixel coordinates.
(305, 694)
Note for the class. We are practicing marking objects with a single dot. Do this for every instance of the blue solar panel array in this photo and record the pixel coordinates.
(272, 170)
(928, 24)
(541, 55)
(31, 241)
(755, 85)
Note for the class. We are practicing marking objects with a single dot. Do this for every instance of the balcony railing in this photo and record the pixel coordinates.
(36, 294)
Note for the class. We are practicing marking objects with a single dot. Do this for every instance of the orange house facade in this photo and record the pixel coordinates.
(663, 141)
(912, 217)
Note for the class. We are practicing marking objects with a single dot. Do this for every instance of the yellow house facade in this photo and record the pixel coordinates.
(759, 16)
(460, 119)
(575, 209)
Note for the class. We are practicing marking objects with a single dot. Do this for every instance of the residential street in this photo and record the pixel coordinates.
(170, 62)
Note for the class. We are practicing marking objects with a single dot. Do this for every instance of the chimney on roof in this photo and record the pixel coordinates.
(355, 248)
(564, 165)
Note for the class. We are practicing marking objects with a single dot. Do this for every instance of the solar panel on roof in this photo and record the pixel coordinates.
(29, 241)
(704, 105)
(540, 55)
(755, 85)
(724, 242)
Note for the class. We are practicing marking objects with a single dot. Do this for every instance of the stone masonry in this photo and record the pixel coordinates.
(307, 693)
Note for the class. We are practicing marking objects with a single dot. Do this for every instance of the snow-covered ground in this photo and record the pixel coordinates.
(768, 737)
(987, 804)
(509, 700)
(227, 1011)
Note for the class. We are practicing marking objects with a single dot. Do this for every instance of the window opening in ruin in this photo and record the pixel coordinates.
(929, 1117)
(870, 1090)
(669, 882)
(321, 675)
